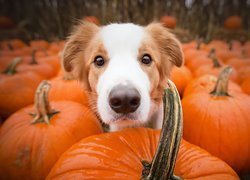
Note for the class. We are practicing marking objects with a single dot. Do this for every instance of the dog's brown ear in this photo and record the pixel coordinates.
(77, 43)
(169, 46)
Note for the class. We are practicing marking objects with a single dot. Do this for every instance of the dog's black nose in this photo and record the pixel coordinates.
(124, 99)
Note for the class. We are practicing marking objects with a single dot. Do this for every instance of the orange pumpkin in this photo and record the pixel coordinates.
(119, 155)
(39, 44)
(181, 77)
(168, 21)
(42, 68)
(126, 154)
(200, 60)
(64, 88)
(191, 53)
(244, 73)
(6, 22)
(33, 138)
(12, 44)
(206, 84)
(16, 89)
(238, 63)
(56, 47)
(233, 22)
(219, 122)
(214, 69)
(245, 86)
(52, 60)
(215, 44)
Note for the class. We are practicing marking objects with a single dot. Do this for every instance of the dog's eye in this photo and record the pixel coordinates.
(99, 61)
(146, 59)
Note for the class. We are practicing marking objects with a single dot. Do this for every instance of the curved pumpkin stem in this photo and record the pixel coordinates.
(11, 69)
(211, 54)
(10, 46)
(199, 42)
(230, 45)
(33, 57)
(43, 110)
(162, 166)
(221, 87)
(216, 62)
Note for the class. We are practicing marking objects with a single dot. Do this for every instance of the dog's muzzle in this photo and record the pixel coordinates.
(124, 99)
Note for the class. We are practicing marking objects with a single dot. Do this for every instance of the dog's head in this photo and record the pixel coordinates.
(124, 66)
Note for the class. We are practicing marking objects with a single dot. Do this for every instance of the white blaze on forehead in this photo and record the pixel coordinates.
(122, 43)
(122, 37)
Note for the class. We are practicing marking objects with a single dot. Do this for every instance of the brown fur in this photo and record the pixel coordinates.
(75, 53)
(169, 53)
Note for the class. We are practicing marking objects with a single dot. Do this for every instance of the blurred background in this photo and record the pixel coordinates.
(53, 19)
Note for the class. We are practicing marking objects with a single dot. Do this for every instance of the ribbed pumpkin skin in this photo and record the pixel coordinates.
(28, 151)
(181, 77)
(246, 86)
(220, 125)
(206, 84)
(71, 90)
(118, 155)
(17, 91)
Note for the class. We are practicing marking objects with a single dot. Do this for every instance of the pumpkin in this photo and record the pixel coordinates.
(224, 51)
(200, 60)
(39, 44)
(245, 85)
(206, 84)
(42, 68)
(214, 69)
(168, 21)
(6, 22)
(239, 63)
(12, 44)
(66, 88)
(118, 155)
(18, 52)
(215, 44)
(181, 76)
(56, 47)
(233, 23)
(33, 138)
(218, 121)
(244, 73)
(16, 89)
(126, 154)
(191, 53)
(192, 45)
(52, 60)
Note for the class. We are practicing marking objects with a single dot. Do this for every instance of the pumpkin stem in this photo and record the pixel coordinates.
(230, 46)
(244, 53)
(221, 87)
(11, 69)
(211, 53)
(10, 46)
(33, 57)
(216, 62)
(42, 107)
(199, 42)
(162, 166)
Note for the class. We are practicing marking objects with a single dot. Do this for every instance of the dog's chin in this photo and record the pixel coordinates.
(125, 120)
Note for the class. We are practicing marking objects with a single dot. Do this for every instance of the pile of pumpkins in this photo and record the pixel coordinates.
(50, 132)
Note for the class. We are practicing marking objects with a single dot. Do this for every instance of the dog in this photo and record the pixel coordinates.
(125, 68)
